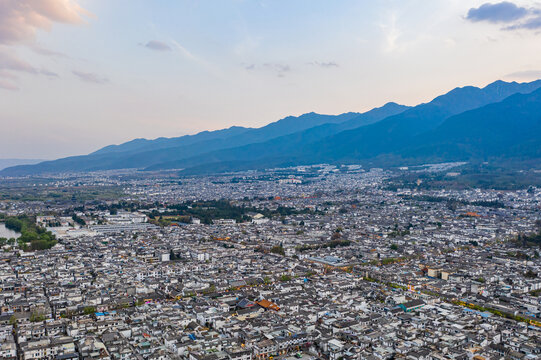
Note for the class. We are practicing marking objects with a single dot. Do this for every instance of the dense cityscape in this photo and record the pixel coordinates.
(270, 180)
(313, 262)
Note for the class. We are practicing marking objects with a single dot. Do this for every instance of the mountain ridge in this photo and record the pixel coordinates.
(372, 140)
(387, 132)
(120, 157)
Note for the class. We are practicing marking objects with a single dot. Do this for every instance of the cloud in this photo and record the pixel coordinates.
(7, 80)
(530, 24)
(525, 74)
(199, 61)
(19, 22)
(10, 62)
(497, 13)
(327, 65)
(8, 85)
(185, 52)
(7, 75)
(157, 46)
(281, 69)
(11, 66)
(20, 19)
(391, 34)
(516, 17)
(90, 77)
(48, 73)
(278, 69)
(46, 52)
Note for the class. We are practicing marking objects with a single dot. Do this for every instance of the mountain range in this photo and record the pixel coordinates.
(501, 121)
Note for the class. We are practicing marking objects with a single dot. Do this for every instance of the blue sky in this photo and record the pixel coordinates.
(76, 75)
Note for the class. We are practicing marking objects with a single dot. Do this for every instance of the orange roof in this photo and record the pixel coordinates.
(268, 305)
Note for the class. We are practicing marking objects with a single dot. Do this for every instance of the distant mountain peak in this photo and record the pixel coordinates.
(391, 104)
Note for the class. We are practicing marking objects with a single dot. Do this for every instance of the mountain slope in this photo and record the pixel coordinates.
(235, 134)
(394, 132)
(362, 143)
(284, 144)
(511, 128)
(140, 145)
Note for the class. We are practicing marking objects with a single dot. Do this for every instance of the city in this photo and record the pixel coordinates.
(307, 262)
(270, 180)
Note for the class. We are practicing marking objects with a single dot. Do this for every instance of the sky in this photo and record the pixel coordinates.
(76, 75)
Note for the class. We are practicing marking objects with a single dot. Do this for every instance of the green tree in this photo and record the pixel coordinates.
(278, 249)
(36, 317)
(285, 278)
(89, 310)
(78, 220)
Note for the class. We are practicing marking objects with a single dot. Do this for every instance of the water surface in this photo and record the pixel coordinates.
(7, 233)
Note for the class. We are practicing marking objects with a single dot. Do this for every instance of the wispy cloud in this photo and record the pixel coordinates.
(327, 64)
(7, 80)
(10, 67)
(8, 85)
(90, 77)
(282, 69)
(530, 24)
(10, 62)
(48, 73)
(391, 34)
(525, 74)
(203, 63)
(157, 45)
(278, 69)
(47, 52)
(185, 52)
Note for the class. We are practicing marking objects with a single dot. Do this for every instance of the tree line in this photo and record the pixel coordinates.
(33, 237)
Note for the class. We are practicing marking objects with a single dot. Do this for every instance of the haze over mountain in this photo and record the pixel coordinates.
(499, 121)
